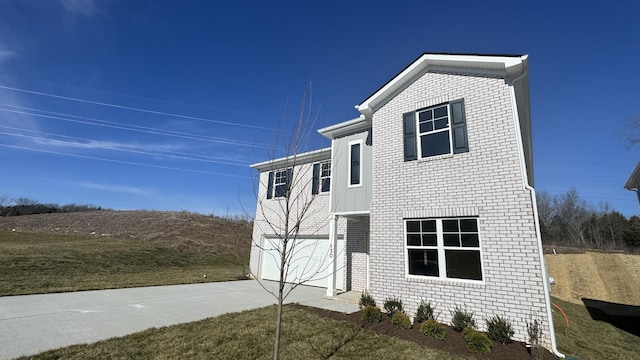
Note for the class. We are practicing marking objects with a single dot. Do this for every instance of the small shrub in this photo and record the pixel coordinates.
(499, 329)
(371, 314)
(393, 305)
(477, 341)
(424, 312)
(534, 332)
(461, 318)
(366, 300)
(401, 320)
(433, 329)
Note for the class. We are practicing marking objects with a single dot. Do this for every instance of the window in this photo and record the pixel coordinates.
(355, 158)
(321, 177)
(436, 130)
(443, 248)
(279, 183)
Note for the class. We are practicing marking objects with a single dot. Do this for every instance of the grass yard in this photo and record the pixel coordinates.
(588, 339)
(34, 263)
(249, 335)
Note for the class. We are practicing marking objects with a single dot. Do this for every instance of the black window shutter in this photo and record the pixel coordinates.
(270, 186)
(289, 180)
(410, 139)
(459, 127)
(316, 179)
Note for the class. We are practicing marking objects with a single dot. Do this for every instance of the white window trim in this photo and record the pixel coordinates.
(442, 268)
(320, 177)
(349, 144)
(448, 128)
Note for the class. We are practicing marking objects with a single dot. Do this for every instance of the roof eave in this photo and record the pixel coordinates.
(507, 67)
(293, 160)
(634, 180)
(345, 127)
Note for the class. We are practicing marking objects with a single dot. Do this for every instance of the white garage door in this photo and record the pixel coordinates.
(310, 261)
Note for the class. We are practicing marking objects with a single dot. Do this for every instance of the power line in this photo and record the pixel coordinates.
(141, 97)
(159, 151)
(125, 150)
(136, 109)
(137, 128)
(124, 162)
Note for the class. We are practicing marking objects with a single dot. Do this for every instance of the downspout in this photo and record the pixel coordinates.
(523, 165)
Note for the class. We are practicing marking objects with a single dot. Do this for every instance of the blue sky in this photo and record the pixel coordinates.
(163, 104)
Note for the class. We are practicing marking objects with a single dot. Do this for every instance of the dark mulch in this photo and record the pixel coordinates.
(454, 342)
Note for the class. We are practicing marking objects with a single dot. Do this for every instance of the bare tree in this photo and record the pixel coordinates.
(4, 201)
(288, 212)
(573, 211)
(632, 131)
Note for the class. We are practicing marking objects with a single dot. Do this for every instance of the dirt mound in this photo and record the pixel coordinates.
(611, 277)
(180, 230)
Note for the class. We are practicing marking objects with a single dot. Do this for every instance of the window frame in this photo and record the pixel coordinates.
(350, 166)
(441, 249)
(281, 178)
(322, 177)
(448, 129)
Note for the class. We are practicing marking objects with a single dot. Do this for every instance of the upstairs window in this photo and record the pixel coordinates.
(279, 183)
(355, 160)
(436, 130)
(321, 177)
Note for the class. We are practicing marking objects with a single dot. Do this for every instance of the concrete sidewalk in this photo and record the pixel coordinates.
(34, 323)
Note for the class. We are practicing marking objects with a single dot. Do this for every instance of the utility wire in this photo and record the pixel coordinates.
(135, 109)
(141, 97)
(142, 129)
(76, 144)
(157, 151)
(124, 162)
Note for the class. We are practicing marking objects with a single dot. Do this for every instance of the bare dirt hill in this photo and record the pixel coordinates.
(180, 230)
(612, 277)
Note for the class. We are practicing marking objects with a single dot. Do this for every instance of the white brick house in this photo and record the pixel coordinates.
(429, 195)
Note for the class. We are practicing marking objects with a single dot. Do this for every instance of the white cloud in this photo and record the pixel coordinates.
(5, 54)
(82, 7)
(116, 188)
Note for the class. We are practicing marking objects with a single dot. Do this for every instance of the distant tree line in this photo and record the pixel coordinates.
(25, 206)
(568, 220)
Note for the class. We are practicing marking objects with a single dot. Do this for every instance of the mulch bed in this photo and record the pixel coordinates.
(454, 342)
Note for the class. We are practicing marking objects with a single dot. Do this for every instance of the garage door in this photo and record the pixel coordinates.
(310, 261)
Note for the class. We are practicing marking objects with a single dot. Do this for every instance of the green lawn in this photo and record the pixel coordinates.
(32, 263)
(588, 339)
(249, 335)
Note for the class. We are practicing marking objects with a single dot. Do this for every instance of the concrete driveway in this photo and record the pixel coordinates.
(34, 323)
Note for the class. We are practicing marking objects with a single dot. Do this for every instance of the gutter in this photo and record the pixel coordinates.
(523, 167)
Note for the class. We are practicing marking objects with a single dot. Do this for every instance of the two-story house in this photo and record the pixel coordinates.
(427, 195)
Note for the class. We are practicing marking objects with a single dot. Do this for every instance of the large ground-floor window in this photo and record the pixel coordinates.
(443, 248)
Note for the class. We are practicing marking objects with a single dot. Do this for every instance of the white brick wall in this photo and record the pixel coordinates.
(485, 182)
(357, 234)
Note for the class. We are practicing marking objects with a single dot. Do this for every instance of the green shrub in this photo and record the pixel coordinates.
(424, 312)
(401, 320)
(393, 305)
(366, 300)
(499, 329)
(371, 314)
(534, 331)
(477, 342)
(433, 329)
(461, 318)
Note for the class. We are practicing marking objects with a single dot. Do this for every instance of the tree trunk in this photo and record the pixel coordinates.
(276, 347)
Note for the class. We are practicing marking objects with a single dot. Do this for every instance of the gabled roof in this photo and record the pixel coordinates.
(634, 180)
(508, 67)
